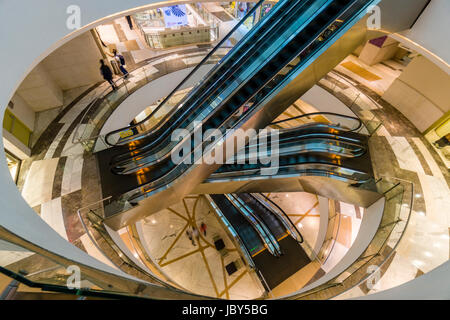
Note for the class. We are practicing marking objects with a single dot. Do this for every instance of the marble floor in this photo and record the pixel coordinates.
(405, 154)
(196, 265)
(303, 210)
(61, 177)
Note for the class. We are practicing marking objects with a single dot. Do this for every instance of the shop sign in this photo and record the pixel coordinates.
(175, 16)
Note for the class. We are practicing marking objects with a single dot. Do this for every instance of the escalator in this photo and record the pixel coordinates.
(265, 214)
(274, 268)
(312, 149)
(246, 231)
(283, 44)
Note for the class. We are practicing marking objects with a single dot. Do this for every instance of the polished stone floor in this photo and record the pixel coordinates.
(61, 177)
(196, 265)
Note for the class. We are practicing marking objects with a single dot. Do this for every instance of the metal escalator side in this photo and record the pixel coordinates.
(247, 92)
(273, 223)
(280, 214)
(254, 70)
(305, 38)
(219, 72)
(241, 225)
(270, 242)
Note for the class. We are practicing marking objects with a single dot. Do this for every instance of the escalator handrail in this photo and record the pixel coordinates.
(237, 237)
(360, 123)
(289, 221)
(197, 67)
(316, 50)
(140, 156)
(258, 225)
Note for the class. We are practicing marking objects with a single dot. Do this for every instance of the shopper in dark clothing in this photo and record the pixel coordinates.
(107, 74)
(130, 23)
(121, 62)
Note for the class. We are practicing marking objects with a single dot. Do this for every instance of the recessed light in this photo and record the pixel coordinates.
(300, 225)
(418, 195)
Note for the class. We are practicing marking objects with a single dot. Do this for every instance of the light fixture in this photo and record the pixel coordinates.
(300, 225)
(421, 213)
(418, 195)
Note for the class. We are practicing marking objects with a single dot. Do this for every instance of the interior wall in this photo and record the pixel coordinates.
(421, 93)
(23, 111)
(40, 90)
(75, 64)
(431, 29)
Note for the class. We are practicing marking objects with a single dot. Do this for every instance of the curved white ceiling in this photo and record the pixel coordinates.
(29, 31)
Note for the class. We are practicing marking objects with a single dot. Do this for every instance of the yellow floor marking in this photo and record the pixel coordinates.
(302, 215)
(234, 282)
(180, 257)
(255, 254)
(178, 214)
(225, 284)
(173, 244)
(211, 277)
(363, 73)
(187, 210)
(306, 213)
(283, 237)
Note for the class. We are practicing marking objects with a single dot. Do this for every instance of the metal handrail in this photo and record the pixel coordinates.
(265, 235)
(209, 55)
(360, 123)
(250, 261)
(333, 284)
(118, 251)
(286, 217)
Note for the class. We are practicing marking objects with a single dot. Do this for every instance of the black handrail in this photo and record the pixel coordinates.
(285, 214)
(197, 67)
(360, 124)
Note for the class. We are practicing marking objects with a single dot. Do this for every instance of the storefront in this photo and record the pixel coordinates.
(178, 25)
(240, 9)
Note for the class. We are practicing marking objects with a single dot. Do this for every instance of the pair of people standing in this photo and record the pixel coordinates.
(193, 234)
(107, 73)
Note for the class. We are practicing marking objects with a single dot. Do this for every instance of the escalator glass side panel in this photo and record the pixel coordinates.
(224, 93)
(239, 33)
(285, 54)
(245, 230)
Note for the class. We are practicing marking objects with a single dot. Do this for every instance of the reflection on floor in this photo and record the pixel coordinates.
(404, 153)
(60, 178)
(378, 77)
(303, 210)
(196, 265)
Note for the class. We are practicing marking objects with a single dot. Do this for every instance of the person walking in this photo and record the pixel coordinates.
(196, 234)
(189, 234)
(107, 74)
(203, 228)
(121, 63)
